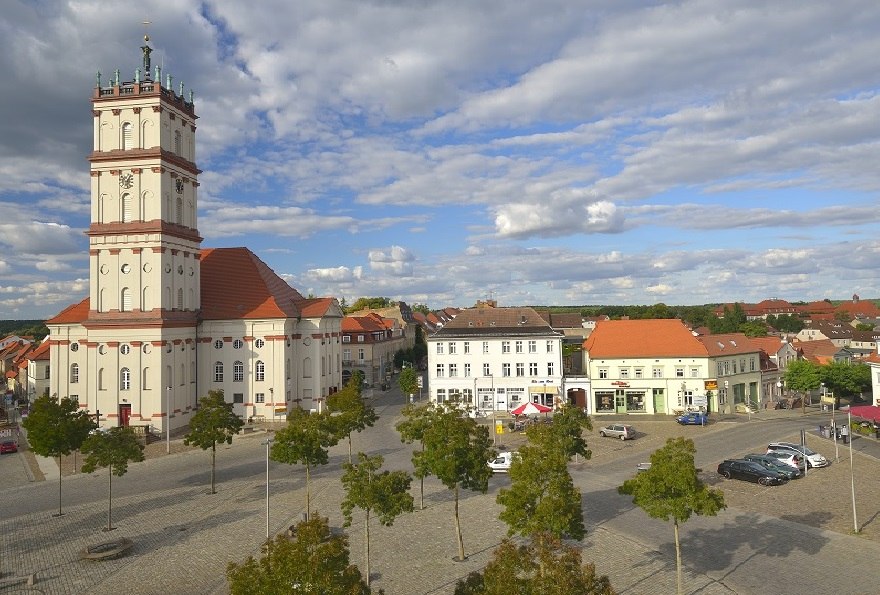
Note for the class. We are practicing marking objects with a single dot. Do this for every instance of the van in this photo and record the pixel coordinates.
(501, 463)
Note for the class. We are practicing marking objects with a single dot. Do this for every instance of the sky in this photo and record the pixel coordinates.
(534, 152)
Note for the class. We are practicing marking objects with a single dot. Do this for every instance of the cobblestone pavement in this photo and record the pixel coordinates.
(184, 537)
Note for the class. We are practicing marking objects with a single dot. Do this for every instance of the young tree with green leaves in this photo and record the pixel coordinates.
(846, 379)
(214, 421)
(384, 493)
(55, 428)
(455, 451)
(305, 440)
(517, 569)
(802, 376)
(349, 411)
(542, 498)
(315, 561)
(671, 489)
(412, 429)
(113, 449)
(408, 382)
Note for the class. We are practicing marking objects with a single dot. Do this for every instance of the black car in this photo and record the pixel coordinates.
(749, 471)
(775, 465)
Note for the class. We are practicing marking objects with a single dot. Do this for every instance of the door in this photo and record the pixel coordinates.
(620, 401)
(124, 414)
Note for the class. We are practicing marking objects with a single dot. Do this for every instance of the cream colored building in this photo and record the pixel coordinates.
(166, 320)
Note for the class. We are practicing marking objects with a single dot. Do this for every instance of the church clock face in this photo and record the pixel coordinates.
(126, 180)
(179, 186)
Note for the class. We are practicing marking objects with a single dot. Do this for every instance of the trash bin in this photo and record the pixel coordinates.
(826, 432)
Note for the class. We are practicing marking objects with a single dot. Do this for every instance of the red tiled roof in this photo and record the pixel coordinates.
(642, 338)
(316, 307)
(819, 352)
(728, 344)
(770, 345)
(72, 314)
(236, 284)
(40, 353)
(369, 323)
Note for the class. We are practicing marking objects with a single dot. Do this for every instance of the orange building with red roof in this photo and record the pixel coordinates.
(166, 320)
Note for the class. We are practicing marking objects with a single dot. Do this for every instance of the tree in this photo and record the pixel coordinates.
(542, 498)
(314, 562)
(846, 379)
(215, 421)
(455, 452)
(412, 428)
(113, 449)
(671, 489)
(386, 494)
(348, 410)
(754, 328)
(57, 427)
(306, 439)
(408, 381)
(802, 376)
(517, 569)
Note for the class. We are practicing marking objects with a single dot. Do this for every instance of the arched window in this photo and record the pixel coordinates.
(74, 373)
(179, 213)
(144, 377)
(238, 372)
(126, 208)
(125, 379)
(145, 302)
(218, 371)
(307, 367)
(126, 136)
(260, 371)
(182, 374)
(125, 306)
(180, 299)
(177, 142)
(101, 379)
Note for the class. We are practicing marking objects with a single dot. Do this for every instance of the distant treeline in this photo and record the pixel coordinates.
(24, 328)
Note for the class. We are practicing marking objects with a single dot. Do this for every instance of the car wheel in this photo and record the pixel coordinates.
(764, 481)
(623, 436)
(726, 474)
(602, 434)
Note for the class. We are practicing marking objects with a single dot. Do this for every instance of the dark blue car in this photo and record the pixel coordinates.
(693, 418)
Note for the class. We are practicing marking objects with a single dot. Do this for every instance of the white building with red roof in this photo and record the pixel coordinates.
(166, 321)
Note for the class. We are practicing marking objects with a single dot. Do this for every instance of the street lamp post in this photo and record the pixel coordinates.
(168, 420)
(852, 478)
(267, 442)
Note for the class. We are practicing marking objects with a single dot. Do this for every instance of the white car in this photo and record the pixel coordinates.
(501, 463)
(813, 458)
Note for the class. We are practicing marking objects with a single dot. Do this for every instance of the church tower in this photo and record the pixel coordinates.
(144, 247)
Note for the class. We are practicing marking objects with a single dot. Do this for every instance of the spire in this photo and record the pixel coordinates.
(146, 49)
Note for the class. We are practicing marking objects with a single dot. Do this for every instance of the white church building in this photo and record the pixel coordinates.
(166, 320)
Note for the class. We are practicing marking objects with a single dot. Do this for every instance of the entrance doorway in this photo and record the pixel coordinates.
(124, 414)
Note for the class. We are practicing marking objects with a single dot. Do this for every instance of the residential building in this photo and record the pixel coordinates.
(495, 358)
(166, 320)
(368, 345)
(659, 366)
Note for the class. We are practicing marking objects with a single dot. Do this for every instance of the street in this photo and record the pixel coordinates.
(184, 536)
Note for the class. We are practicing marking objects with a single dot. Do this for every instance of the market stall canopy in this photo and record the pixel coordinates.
(871, 412)
(531, 409)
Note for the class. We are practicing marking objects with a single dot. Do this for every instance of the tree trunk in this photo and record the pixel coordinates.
(422, 493)
(677, 557)
(213, 465)
(308, 501)
(59, 487)
(367, 546)
(349, 448)
(461, 557)
(110, 500)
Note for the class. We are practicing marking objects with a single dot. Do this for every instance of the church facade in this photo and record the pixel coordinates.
(166, 320)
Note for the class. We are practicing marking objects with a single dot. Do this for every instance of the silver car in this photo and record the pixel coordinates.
(814, 459)
(618, 431)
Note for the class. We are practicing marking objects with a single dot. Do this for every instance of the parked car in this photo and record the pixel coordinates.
(693, 418)
(814, 459)
(8, 446)
(774, 464)
(618, 431)
(749, 471)
(501, 463)
(787, 457)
